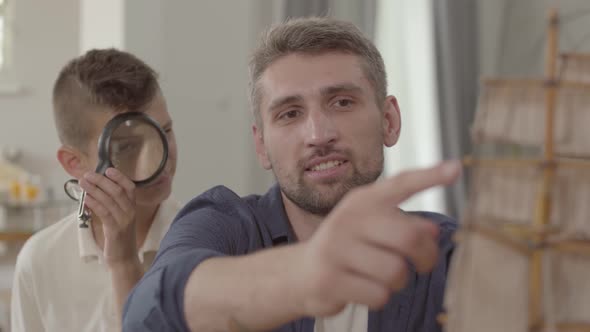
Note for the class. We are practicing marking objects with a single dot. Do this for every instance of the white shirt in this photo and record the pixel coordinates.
(353, 318)
(60, 281)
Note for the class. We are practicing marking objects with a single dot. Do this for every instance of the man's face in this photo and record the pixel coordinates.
(322, 132)
(158, 190)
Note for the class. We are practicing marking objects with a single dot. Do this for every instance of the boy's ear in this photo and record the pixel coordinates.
(72, 160)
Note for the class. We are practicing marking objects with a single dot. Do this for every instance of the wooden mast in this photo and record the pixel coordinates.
(543, 209)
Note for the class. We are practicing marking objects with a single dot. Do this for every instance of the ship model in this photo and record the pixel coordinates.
(522, 261)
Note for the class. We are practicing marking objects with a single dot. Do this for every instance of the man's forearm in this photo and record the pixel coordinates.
(248, 293)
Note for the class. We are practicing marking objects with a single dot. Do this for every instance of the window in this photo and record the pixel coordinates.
(3, 30)
(404, 35)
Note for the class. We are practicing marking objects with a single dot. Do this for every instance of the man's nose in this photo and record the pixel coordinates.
(320, 128)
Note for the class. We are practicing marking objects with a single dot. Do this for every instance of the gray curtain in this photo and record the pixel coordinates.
(456, 36)
(302, 8)
(361, 13)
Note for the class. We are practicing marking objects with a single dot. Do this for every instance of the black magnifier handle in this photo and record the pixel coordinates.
(83, 214)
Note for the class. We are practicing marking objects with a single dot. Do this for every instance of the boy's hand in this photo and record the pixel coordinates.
(111, 197)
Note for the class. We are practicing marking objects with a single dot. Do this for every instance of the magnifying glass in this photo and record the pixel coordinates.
(131, 142)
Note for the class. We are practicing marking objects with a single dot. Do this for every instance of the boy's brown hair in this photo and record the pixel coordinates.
(106, 80)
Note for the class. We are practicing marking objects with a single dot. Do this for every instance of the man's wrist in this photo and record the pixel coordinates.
(124, 266)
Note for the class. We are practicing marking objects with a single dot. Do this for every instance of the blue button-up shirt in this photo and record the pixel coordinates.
(220, 223)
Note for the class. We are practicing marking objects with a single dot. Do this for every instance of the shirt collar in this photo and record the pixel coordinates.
(89, 249)
(273, 215)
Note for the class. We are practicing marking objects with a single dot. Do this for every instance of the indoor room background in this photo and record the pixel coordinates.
(435, 52)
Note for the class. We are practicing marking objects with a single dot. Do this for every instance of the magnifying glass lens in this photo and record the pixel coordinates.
(136, 149)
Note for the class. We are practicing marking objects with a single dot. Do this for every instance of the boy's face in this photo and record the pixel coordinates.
(322, 131)
(159, 189)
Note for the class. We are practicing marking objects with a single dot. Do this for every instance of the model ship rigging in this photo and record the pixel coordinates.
(522, 262)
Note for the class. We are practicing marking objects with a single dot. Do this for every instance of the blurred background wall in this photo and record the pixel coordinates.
(200, 49)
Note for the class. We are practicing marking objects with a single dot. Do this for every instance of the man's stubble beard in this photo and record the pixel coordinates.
(310, 199)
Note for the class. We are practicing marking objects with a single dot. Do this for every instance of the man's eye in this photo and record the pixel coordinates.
(289, 114)
(344, 103)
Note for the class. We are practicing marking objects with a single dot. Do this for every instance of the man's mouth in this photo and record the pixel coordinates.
(326, 165)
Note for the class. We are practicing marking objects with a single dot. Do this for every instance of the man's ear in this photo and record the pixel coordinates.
(72, 160)
(392, 122)
(260, 148)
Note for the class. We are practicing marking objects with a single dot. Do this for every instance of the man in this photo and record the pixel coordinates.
(338, 254)
(77, 279)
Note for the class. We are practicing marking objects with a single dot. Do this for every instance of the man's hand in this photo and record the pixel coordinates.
(359, 254)
(112, 199)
